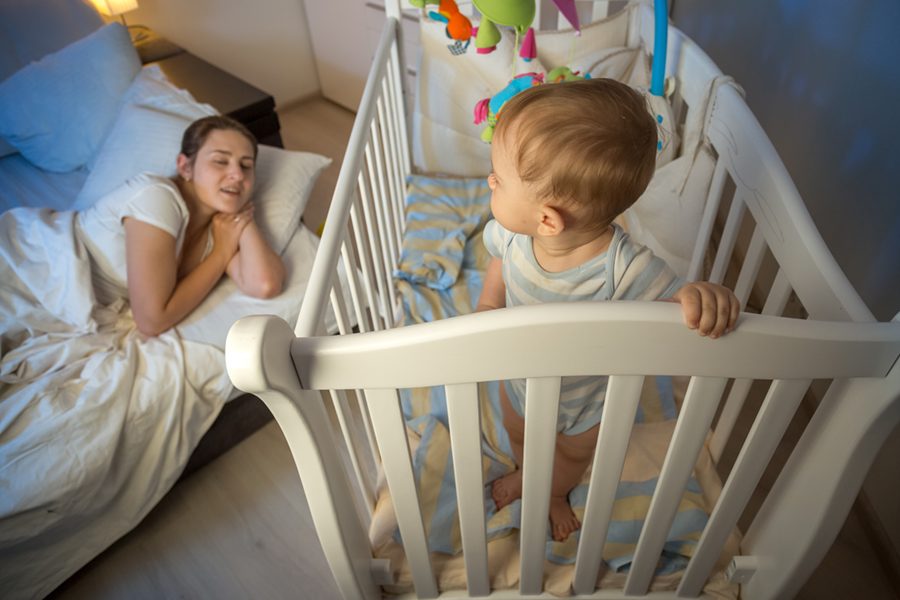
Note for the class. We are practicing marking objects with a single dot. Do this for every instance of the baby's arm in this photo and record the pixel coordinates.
(493, 294)
(709, 308)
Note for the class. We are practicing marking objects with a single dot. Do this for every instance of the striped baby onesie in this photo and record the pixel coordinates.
(626, 271)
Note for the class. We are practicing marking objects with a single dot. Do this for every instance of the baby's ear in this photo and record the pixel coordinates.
(552, 221)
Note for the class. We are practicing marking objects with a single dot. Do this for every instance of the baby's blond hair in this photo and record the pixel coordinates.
(588, 144)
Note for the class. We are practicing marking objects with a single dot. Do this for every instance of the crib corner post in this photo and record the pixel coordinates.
(795, 528)
(258, 359)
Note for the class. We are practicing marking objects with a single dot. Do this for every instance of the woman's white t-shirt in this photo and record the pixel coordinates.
(148, 198)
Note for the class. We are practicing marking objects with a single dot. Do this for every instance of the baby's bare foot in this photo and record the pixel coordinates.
(562, 520)
(507, 489)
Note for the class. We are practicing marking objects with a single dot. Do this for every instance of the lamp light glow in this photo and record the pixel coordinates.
(114, 8)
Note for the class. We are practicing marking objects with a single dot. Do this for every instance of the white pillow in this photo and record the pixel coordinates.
(57, 111)
(147, 138)
(284, 181)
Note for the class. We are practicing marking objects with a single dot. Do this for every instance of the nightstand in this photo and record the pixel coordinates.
(228, 94)
(150, 46)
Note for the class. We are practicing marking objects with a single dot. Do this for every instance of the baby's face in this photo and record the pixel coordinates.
(514, 202)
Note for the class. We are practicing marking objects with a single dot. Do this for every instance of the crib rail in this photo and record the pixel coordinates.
(364, 224)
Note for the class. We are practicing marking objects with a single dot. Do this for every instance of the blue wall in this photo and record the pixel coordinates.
(823, 78)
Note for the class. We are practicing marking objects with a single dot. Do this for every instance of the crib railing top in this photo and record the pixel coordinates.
(620, 338)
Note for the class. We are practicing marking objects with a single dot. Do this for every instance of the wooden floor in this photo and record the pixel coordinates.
(240, 526)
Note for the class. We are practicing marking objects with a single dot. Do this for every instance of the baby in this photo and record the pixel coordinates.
(568, 158)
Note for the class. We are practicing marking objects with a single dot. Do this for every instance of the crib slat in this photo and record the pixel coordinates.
(775, 303)
(729, 237)
(350, 430)
(365, 260)
(349, 258)
(600, 11)
(388, 135)
(382, 197)
(399, 173)
(351, 436)
(340, 310)
(731, 410)
(386, 183)
(750, 269)
(773, 419)
(623, 393)
(702, 398)
(713, 200)
(541, 408)
(465, 445)
(382, 272)
(390, 431)
(778, 295)
(393, 171)
(367, 425)
(395, 75)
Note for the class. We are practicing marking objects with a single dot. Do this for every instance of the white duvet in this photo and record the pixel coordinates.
(96, 423)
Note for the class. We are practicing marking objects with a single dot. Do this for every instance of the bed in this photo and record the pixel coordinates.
(389, 421)
(96, 424)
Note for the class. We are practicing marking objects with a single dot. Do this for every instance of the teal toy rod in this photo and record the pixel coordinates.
(660, 33)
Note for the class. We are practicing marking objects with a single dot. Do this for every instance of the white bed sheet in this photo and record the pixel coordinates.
(95, 423)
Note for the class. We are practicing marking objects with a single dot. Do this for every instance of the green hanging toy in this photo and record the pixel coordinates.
(518, 14)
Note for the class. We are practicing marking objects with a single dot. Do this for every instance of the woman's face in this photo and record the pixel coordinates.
(223, 171)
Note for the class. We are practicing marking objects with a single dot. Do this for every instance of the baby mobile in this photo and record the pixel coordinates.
(519, 15)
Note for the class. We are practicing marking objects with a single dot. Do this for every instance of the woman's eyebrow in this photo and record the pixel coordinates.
(228, 153)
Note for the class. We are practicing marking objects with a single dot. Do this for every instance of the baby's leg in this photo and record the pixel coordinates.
(508, 488)
(573, 454)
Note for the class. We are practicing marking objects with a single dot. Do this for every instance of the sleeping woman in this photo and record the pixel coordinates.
(179, 236)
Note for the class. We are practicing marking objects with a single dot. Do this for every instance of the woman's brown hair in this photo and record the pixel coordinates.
(195, 135)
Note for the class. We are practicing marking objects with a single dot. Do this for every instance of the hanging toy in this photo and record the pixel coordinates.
(528, 51)
(560, 74)
(459, 28)
(487, 36)
(518, 14)
(568, 10)
(488, 109)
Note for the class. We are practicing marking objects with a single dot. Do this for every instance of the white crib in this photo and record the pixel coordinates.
(752, 216)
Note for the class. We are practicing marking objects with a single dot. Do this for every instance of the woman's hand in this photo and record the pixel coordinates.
(227, 229)
(709, 308)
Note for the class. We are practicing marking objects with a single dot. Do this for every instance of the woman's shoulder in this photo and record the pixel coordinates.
(146, 197)
(143, 181)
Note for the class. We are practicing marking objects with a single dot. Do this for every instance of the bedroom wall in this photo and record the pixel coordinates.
(823, 79)
(266, 44)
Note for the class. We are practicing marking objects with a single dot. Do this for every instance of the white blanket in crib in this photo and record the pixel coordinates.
(96, 423)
